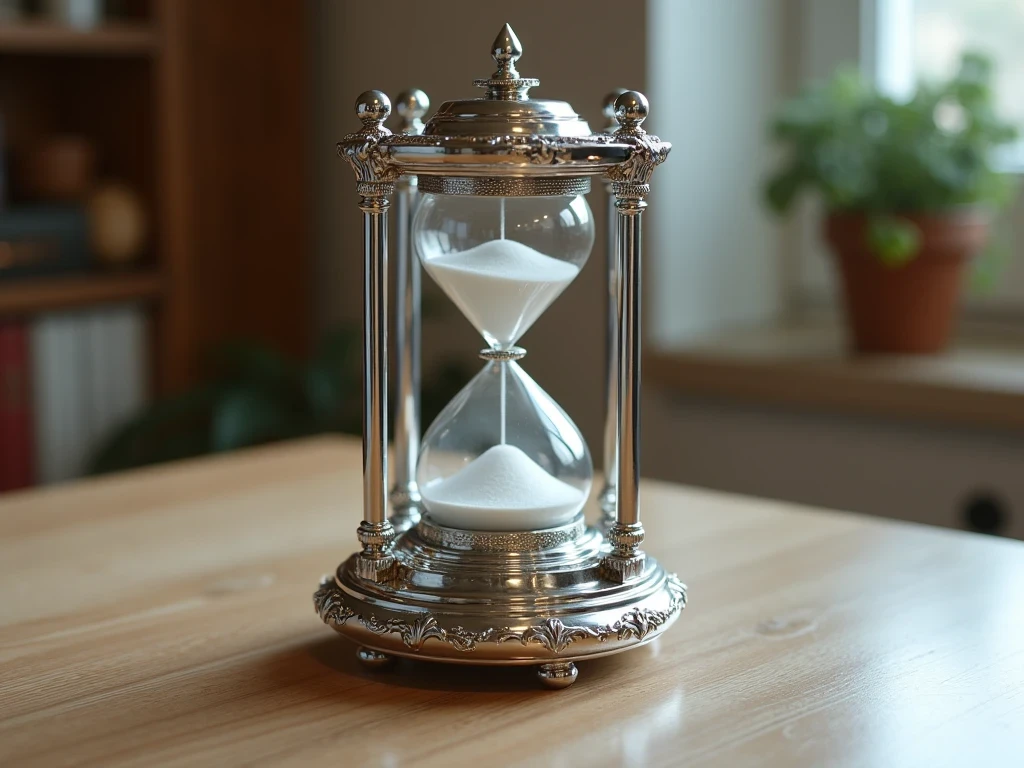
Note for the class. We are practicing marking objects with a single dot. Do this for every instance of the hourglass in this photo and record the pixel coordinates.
(503, 455)
(498, 565)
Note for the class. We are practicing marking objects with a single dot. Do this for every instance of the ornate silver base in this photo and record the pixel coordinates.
(523, 598)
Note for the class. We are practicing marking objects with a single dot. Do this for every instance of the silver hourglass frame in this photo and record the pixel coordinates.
(547, 597)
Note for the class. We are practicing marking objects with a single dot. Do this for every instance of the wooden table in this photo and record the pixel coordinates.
(164, 617)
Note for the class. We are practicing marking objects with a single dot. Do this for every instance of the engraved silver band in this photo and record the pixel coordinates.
(499, 541)
(503, 355)
(516, 186)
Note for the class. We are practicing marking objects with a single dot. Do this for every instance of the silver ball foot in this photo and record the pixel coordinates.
(373, 659)
(560, 674)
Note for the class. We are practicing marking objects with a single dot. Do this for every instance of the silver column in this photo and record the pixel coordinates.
(626, 560)
(606, 499)
(405, 496)
(629, 182)
(627, 476)
(375, 185)
(375, 532)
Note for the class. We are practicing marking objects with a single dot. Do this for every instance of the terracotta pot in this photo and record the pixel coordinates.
(910, 308)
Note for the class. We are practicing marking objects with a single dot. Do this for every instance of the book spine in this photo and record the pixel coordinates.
(16, 452)
(118, 369)
(89, 376)
(59, 373)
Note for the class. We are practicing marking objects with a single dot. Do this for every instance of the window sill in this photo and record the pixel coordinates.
(977, 384)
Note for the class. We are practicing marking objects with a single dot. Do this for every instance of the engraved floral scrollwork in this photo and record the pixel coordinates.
(553, 634)
(413, 635)
(329, 604)
(370, 161)
(537, 150)
(647, 154)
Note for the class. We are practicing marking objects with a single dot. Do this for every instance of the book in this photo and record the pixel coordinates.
(117, 359)
(89, 375)
(59, 365)
(44, 239)
(16, 451)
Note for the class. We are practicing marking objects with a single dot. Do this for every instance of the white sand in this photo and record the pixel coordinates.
(503, 489)
(501, 286)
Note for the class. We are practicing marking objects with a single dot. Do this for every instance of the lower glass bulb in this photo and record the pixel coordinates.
(503, 456)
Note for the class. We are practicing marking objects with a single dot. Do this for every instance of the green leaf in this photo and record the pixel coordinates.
(895, 241)
(861, 150)
(247, 417)
(253, 362)
(173, 428)
(781, 190)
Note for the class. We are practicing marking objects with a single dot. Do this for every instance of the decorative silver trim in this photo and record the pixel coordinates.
(505, 186)
(502, 355)
(499, 541)
(501, 153)
(551, 634)
(370, 161)
(647, 151)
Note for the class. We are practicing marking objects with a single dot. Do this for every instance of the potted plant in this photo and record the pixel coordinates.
(909, 192)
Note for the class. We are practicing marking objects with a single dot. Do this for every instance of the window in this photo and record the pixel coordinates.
(899, 43)
(910, 40)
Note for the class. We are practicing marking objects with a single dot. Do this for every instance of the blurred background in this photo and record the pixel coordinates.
(834, 288)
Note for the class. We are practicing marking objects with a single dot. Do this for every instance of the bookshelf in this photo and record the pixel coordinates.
(48, 39)
(201, 108)
(34, 295)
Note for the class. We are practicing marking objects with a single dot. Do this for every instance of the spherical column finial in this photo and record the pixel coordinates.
(631, 109)
(373, 108)
(608, 110)
(411, 106)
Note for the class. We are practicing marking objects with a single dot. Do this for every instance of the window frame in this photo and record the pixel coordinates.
(834, 32)
(887, 59)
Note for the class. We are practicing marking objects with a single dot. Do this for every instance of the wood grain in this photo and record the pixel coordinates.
(164, 617)
(233, 137)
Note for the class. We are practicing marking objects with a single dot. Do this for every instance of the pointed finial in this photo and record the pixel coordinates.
(506, 51)
(608, 110)
(631, 110)
(505, 83)
(411, 106)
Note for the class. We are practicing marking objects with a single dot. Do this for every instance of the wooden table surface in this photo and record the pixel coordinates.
(165, 617)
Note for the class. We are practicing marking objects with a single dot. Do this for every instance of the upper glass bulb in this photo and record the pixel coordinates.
(503, 260)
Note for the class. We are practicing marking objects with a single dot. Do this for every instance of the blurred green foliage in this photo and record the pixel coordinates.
(863, 151)
(256, 396)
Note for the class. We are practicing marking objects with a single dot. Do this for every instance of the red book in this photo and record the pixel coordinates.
(16, 465)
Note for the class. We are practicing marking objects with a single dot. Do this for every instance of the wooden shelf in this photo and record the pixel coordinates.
(29, 296)
(979, 383)
(112, 39)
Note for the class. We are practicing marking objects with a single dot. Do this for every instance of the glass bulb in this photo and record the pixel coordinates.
(501, 260)
(503, 456)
